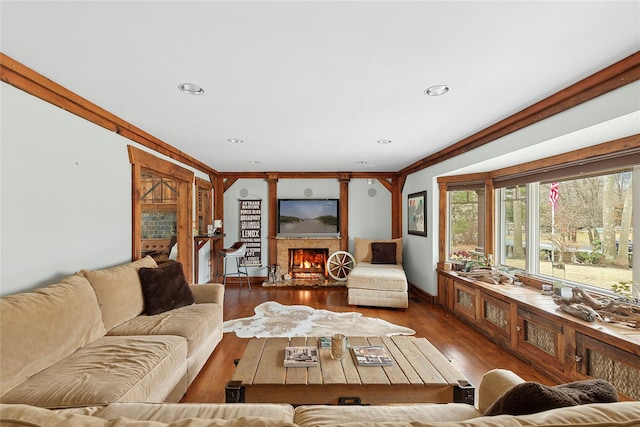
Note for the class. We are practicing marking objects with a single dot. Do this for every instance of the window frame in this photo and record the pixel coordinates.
(599, 159)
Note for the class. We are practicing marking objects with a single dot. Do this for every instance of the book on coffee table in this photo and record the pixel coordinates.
(371, 355)
(300, 356)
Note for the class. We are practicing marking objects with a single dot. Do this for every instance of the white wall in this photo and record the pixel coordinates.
(66, 188)
(369, 215)
(256, 189)
(65, 194)
(611, 116)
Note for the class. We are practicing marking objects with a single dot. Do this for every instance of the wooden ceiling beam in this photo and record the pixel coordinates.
(613, 77)
(18, 75)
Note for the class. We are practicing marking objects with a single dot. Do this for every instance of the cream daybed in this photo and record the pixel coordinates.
(378, 278)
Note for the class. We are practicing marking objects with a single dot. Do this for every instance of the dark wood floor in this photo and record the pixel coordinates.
(469, 351)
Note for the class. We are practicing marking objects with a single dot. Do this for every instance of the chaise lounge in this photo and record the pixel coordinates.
(378, 278)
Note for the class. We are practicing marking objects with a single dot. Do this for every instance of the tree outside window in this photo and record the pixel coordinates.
(587, 236)
(466, 231)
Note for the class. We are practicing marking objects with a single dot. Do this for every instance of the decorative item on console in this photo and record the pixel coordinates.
(488, 275)
(619, 311)
(459, 260)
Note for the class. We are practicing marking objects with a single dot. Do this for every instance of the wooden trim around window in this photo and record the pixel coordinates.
(606, 149)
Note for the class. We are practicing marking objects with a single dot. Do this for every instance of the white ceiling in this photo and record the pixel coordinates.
(311, 86)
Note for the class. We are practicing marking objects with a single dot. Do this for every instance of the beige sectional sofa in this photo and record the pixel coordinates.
(494, 384)
(377, 284)
(87, 341)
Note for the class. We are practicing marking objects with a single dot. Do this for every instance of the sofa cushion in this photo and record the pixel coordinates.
(385, 277)
(321, 415)
(42, 327)
(164, 288)
(119, 291)
(383, 253)
(168, 412)
(531, 397)
(378, 298)
(618, 414)
(110, 369)
(362, 249)
(23, 415)
(193, 322)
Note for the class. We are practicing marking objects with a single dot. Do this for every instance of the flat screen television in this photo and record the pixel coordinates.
(308, 217)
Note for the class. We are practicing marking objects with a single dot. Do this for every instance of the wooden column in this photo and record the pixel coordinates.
(136, 212)
(490, 211)
(272, 180)
(442, 220)
(218, 197)
(397, 183)
(344, 211)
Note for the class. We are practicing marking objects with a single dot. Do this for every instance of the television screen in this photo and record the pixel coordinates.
(304, 217)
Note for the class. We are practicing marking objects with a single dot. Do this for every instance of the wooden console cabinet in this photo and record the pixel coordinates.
(531, 326)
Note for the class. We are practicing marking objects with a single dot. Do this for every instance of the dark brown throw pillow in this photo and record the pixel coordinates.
(383, 253)
(164, 288)
(530, 397)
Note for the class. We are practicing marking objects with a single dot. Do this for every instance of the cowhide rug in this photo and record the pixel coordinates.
(276, 320)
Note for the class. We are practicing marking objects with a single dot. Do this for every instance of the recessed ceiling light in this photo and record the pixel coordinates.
(437, 90)
(190, 88)
(254, 162)
(361, 162)
(384, 141)
(235, 141)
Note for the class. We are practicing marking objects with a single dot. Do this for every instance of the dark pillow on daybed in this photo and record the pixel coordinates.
(164, 288)
(383, 253)
(531, 397)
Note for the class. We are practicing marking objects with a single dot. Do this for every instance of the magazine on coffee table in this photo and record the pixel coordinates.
(300, 356)
(371, 355)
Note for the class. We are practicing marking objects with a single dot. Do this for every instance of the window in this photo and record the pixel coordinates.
(567, 218)
(581, 227)
(585, 229)
(466, 223)
(513, 221)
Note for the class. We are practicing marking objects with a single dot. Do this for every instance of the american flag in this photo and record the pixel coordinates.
(554, 195)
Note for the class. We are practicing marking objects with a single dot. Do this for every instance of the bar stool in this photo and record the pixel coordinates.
(236, 251)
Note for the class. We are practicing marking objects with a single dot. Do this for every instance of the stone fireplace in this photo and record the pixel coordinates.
(305, 257)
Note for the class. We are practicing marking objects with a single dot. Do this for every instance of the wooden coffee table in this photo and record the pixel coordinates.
(419, 374)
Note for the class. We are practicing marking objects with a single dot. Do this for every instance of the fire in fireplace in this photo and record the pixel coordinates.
(308, 263)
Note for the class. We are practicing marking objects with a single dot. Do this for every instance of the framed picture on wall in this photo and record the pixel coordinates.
(416, 210)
